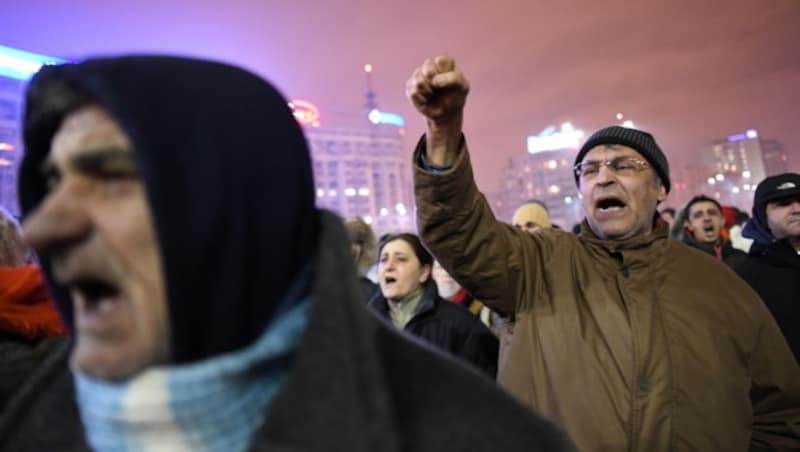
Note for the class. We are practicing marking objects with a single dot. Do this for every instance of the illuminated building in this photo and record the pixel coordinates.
(737, 164)
(16, 67)
(362, 171)
(544, 173)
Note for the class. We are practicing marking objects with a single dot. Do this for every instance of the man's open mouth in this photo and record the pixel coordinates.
(610, 204)
(96, 294)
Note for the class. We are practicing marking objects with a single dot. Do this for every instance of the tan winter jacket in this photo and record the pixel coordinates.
(643, 345)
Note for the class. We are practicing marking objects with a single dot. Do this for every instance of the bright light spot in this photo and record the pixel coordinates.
(717, 195)
(401, 132)
(21, 65)
(629, 124)
(751, 133)
(367, 219)
(552, 164)
(746, 187)
(374, 116)
(363, 191)
(331, 193)
(711, 181)
(5, 162)
(400, 208)
(567, 199)
(384, 211)
(550, 139)
(367, 68)
(6, 147)
(735, 189)
(553, 189)
(305, 112)
(619, 116)
(349, 191)
(746, 174)
(320, 193)
(719, 177)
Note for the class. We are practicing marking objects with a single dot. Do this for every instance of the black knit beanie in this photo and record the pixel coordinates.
(642, 142)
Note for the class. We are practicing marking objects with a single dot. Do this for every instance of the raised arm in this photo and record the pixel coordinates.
(495, 262)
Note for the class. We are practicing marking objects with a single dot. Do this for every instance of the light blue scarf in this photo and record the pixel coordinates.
(214, 405)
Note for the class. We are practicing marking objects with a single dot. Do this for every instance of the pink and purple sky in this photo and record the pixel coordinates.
(688, 71)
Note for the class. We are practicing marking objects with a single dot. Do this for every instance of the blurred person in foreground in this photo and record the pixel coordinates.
(627, 339)
(212, 306)
(772, 266)
(409, 298)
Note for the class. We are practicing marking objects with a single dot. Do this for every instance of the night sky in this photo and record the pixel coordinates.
(689, 71)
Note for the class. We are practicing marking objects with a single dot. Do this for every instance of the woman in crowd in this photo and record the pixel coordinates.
(409, 299)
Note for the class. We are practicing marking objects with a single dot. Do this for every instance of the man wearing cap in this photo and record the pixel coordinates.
(629, 340)
(531, 216)
(773, 265)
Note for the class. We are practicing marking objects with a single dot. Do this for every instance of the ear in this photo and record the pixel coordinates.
(425, 273)
(662, 193)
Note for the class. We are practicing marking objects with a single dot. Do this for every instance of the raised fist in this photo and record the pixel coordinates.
(438, 89)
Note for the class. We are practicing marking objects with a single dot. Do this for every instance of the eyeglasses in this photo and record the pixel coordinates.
(621, 166)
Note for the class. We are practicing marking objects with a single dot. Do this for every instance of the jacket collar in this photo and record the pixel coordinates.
(634, 252)
(427, 303)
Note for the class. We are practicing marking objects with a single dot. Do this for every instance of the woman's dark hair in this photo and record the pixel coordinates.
(425, 258)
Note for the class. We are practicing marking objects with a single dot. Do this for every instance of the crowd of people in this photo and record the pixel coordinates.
(174, 287)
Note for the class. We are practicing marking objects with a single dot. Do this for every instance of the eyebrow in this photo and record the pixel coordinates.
(94, 161)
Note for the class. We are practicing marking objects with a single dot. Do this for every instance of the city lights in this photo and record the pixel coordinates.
(711, 181)
(349, 191)
(746, 174)
(367, 68)
(6, 147)
(305, 112)
(376, 116)
(363, 191)
(568, 137)
(384, 211)
(320, 193)
(21, 65)
(400, 208)
(720, 177)
(628, 124)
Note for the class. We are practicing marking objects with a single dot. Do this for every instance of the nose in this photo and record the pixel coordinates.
(605, 176)
(59, 222)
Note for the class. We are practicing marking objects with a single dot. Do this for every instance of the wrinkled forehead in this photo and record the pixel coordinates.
(88, 129)
(603, 152)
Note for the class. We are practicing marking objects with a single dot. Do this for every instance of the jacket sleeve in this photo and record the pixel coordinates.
(495, 262)
(775, 391)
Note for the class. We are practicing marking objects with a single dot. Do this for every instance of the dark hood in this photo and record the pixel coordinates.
(228, 179)
(756, 230)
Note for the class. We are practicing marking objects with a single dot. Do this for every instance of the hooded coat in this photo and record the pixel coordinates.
(228, 180)
(637, 345)
(772, 268)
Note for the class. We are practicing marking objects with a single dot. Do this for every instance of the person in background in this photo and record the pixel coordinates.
(30, 327)
(410, 300)
(772, 266)
(704, 230)
(531, 216)
(364, 250)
